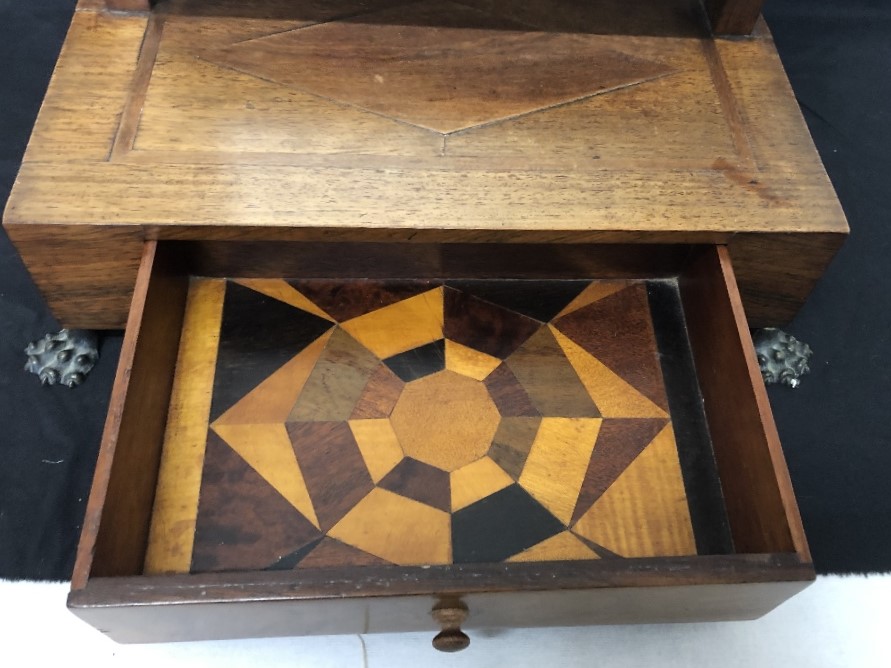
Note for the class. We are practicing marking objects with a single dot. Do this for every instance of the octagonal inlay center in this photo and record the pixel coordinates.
(446, 420)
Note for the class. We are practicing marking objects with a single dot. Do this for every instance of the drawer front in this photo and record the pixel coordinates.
(168, 615)
(201, 459)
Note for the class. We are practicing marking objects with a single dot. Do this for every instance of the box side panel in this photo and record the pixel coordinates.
(760, 503)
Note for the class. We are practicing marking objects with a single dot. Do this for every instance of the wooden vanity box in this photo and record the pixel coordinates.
(437, 312)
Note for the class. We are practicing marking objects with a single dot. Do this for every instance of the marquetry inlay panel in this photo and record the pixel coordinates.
(424, 422)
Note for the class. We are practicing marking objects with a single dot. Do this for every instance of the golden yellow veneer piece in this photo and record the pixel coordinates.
(644, 513)
(421, 536)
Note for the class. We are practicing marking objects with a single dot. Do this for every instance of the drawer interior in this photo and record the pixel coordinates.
(418, 422)
(306, 407)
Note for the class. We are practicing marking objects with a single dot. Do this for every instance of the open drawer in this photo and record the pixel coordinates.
(344, 438)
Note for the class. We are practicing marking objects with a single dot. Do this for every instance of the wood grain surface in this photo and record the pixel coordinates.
(378, 444)
(116, 526)
(549, 379)
(267, 449)
(175, 507)
(128, 5)
(195, 124)
(515, 455)
(512, 443)
(649, 494)
(744, 435)
(733, 17)
(633, 356)
(142, 407)
(665, 590)
(366, 532)
(477, 480)
(556, 465)
(80, 123)
(379, 395)
(215, 122)
(273, 400)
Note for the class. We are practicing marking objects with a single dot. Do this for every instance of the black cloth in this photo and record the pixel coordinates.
(836, 428)
(49, 437)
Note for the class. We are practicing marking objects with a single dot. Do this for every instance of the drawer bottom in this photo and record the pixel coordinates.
(321, 423)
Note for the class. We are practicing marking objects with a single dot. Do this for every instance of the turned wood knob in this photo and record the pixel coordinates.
(450, 616)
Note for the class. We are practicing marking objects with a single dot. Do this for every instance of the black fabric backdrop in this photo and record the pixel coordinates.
(836, 428)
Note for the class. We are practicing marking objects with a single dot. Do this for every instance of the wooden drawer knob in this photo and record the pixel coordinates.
(450, 616)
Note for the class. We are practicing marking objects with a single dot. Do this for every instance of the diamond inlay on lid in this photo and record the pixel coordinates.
(438, 65)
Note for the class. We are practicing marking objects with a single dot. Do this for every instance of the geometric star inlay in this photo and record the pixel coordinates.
(389, 441)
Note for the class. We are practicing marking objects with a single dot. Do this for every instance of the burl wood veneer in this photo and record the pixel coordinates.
(429, 123)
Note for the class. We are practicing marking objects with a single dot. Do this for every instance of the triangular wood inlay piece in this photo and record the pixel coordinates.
(613, 396)
(290, 561)
(273, 399)
(258, 335)
(541, 300)
(393, 329)
(562, 547)
(419, 481)
(634, 355)
(267, 448)
(601, 551)
(483, 326)
(418, 362)
(556, 465)
(281, 290)
(476, 481)
(644, 513)
(243, 522)
(469, 362)
(346, 300)
(332, 466)
(442, 66)
(419, 537)
(549, 379)
(337, 381)
(594, 291)
(618, 444)
(331, 553)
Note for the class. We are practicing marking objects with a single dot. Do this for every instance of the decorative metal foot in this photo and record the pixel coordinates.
(65, 357)
(782, 357)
